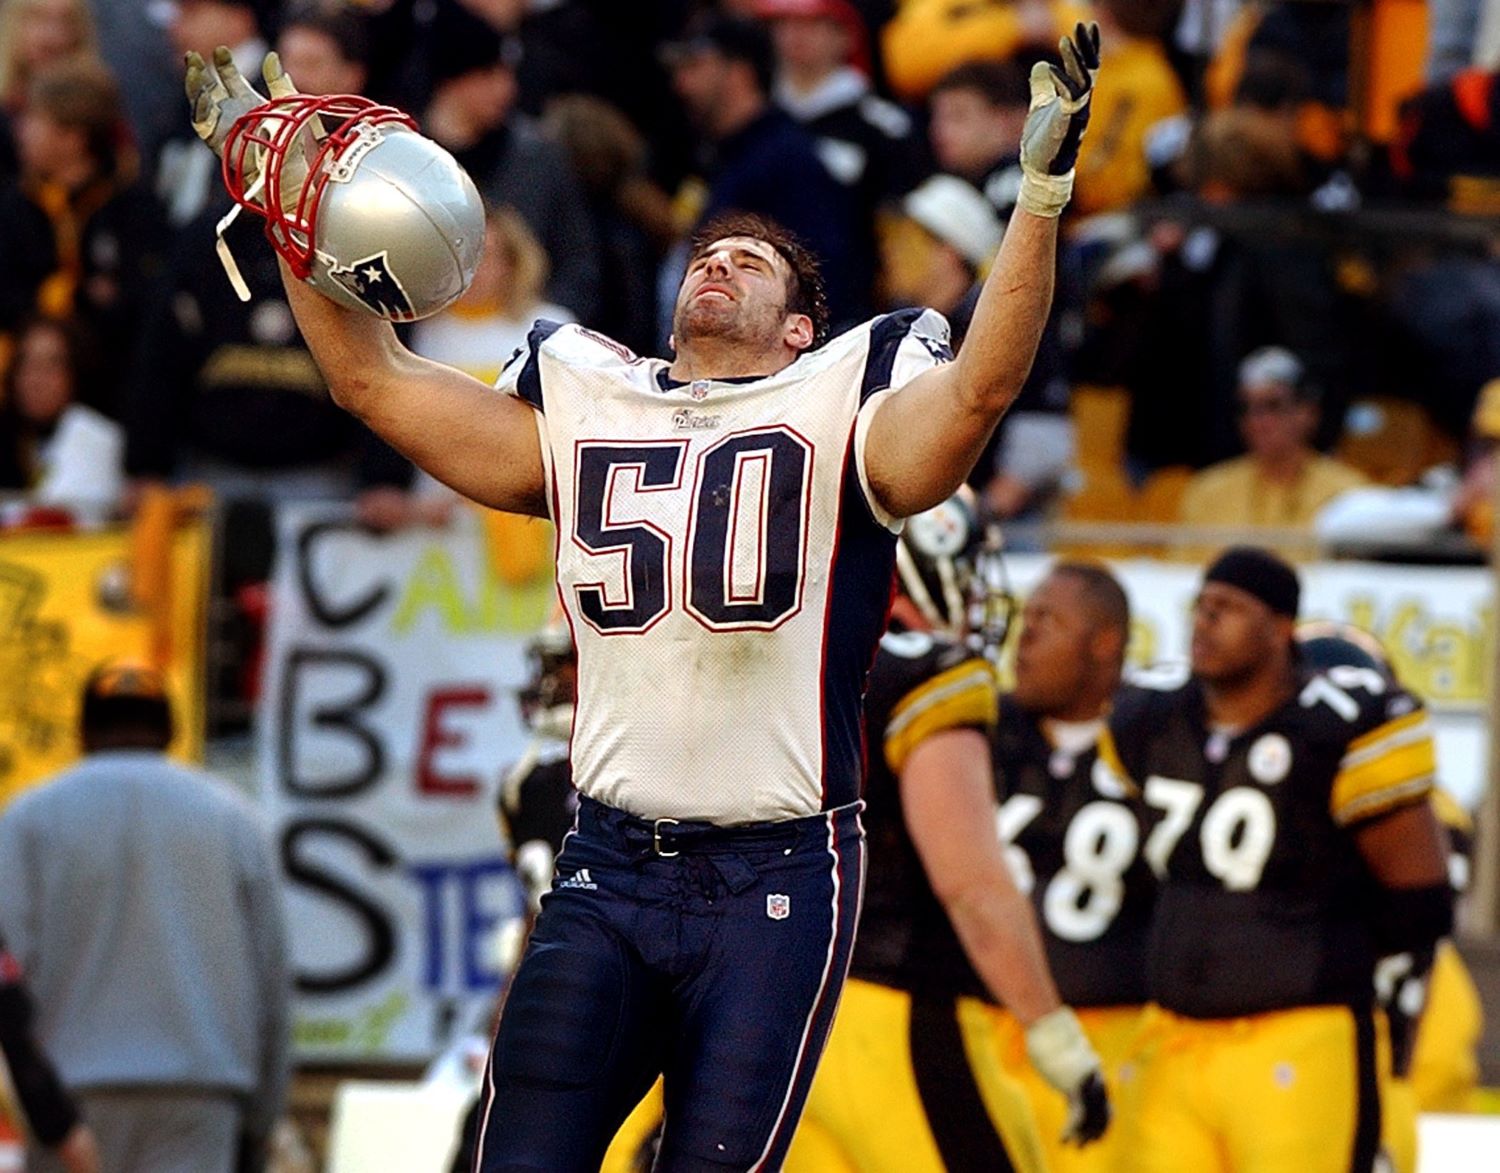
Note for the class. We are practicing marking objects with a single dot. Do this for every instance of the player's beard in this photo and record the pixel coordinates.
(735, 322)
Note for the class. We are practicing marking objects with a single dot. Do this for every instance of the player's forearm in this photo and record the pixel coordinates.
(1002, 341)
(997, 929)
(359, 354)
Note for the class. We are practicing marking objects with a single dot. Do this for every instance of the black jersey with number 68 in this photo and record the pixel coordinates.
(1265, 901)
(1073, 836)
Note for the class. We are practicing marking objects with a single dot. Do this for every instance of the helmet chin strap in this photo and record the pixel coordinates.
(915, 589)
(221, 246)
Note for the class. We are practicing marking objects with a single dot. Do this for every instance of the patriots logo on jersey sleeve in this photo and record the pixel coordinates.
(371, 280)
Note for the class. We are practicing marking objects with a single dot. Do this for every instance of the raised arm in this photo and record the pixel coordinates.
(925, 438)
(479, 441)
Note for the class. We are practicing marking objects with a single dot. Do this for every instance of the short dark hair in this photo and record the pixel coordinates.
(1000, 83)
(1102, 590)
(346, 27)
(805, 292)
(80, 94)
(733, 38)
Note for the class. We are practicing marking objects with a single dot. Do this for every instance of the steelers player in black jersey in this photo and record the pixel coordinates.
(1430, 1005)
(1074, 834)
(537, 800)
(1295, 844)
(911, 1080)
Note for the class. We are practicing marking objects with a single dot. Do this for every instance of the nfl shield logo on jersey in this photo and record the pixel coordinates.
(699, 390)
(778, 906)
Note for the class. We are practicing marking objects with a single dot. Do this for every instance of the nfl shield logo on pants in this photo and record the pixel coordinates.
(778, 906)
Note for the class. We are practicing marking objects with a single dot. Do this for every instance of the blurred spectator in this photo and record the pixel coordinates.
(142, 899)
(482, 330)
(928, 39)
(938, 257)
(135, 42)
(937, 253)
(977, 113)
(823, 81)
(63, 454)
(1282, 480)
(479, 334)
(1302, 50)
(78, 237)
(1137, 90)
(760, 160)
(48, 1112)
(632, 216)
(187, 174)
(1242, 153)
(224, 391)
(324, 48)
(473, 114)
(33, 35)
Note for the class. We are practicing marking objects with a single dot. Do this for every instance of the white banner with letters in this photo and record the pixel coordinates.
(387, 719)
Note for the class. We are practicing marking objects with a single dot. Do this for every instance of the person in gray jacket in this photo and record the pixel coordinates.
(141, 897)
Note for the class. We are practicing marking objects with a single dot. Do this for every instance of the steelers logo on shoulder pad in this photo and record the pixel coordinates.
(1270, 758)
(940, 532)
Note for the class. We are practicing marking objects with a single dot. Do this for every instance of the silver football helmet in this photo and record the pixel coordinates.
(371, 213)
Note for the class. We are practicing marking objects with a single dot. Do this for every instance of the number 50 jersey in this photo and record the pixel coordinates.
(1265, 902)
(723, 564)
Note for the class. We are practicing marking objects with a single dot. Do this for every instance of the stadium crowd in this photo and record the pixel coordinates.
(1278, 297)
(1249, 189)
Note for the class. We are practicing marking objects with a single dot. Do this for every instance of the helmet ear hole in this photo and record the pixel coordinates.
(371, 213)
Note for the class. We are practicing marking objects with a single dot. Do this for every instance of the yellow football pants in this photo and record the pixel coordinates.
(1116, 1035)
(909, 1087)
(628, 1152)
(1445, 1065)
(1270, 1093)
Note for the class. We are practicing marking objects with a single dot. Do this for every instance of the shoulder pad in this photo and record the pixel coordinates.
(1351, 701)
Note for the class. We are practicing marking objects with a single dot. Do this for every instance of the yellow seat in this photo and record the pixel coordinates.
(1390, 440)
(1159, 499)
(1100, 416)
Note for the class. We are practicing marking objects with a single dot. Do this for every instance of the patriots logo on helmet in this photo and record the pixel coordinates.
(370, 279)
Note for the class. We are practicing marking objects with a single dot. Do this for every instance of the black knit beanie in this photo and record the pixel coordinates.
(1260, 573)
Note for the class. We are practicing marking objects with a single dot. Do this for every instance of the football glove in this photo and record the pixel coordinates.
(1064, 1057)
(1401, 991)
(220, 95)
(1056, 121)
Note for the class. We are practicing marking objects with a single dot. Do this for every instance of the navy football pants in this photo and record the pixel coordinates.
(718, 967)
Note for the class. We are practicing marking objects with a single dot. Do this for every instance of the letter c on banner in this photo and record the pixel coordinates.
(323, 610)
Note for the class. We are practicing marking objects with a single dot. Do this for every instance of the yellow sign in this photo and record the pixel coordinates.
(66, 606)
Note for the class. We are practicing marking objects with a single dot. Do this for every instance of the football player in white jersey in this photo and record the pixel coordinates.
(726, 524)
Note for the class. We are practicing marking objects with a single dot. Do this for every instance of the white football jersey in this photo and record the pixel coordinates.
(723, 564)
